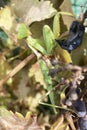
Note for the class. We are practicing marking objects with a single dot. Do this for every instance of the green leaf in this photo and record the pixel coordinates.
(48, 38)
(48, 81)
(35, 43)
(22, 31)
(56, 23)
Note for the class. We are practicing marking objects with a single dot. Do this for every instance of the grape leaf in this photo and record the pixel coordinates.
(35, 43)
(48, 38)
(7, 20)
(33, 10)
(22, 31)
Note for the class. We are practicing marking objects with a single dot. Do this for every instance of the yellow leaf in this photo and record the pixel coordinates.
(62, 54)
(7, 19)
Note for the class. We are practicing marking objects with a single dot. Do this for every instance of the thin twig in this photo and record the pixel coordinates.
(16, 70)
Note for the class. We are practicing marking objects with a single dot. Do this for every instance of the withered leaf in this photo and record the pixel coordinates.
(11, 121)
(33, 10)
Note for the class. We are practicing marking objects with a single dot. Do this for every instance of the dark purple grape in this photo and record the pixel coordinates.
(75, 37)
(83, 123)
(80, 108)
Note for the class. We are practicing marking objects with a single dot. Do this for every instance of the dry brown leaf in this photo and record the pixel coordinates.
(11, 121)
(58, 123)
(33, 10)
(19, 85)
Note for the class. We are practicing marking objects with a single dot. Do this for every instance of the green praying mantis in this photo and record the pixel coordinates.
(46, 48)
(49, 43)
